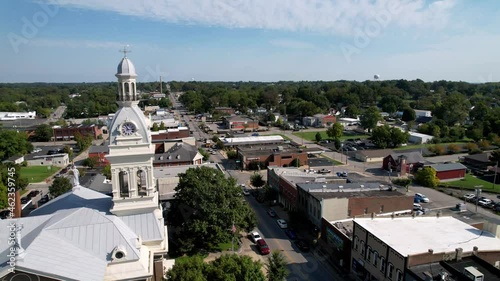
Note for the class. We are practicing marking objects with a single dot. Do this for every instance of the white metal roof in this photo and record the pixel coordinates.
(411, 236)
(253, 139)
(81, 239)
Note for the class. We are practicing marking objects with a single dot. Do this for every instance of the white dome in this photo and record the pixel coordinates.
(126, 67)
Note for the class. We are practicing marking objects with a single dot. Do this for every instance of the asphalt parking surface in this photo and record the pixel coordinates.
(318, 162)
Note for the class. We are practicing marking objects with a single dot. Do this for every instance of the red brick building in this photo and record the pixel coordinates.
(68, 132)
(99, 152)
(403, 162)
(225, 110)
(170, 134)
(271, 155)
(449, 171)
(240, 123)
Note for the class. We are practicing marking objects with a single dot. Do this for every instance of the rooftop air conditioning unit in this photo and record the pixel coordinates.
(473, 274)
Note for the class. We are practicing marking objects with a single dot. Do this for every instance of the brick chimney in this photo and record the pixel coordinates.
(17, 206)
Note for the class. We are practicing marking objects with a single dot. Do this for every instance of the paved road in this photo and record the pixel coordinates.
(301, 266)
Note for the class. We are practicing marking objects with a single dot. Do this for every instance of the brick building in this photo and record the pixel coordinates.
(170, 134)
(388, 248)
(403, 162)
(271, 155)
(240, 123)
(338, 201)
(449, 171)
(68, 132)
(99, 152)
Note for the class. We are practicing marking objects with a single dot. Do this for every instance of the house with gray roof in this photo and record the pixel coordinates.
(179, 154)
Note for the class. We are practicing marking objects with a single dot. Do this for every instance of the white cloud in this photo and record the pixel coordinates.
(291, 44)
(331, 16)
(76, 43)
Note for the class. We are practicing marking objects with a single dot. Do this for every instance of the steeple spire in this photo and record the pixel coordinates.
(125, 50)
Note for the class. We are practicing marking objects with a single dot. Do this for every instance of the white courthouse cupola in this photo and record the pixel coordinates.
(125, 72)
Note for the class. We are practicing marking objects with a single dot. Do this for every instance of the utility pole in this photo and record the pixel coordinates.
(478, 192)
(495, 177)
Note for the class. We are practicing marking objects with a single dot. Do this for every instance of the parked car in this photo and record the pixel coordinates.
(33, 193)
(421, 197)
(246, 192)
(44, 199)
(291, 234)
(263, 247)
(282, 223)
(342, 174)
(324, 171)
(417, 207)
(469, 197)
(255, 236)
(271, 212)
(4, 214)
(484, 202)
(303, 245)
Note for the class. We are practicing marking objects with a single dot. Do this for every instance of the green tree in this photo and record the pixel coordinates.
(83, 141)
(43, 132)
(204, 153)
(3, 196)
(370, 118)
(454, 148)
(335, 131)
(155, 127)
(106, 171)
(13, 142)
(214, 203)
(235, 267)
(381, 136)
(295, 163)
(257, 180)
(60, 186)
(67, 149)
(188, 269)
(318, 137)
(427, 177)
(408, 114)
(91, 162)
(162, 126)
(276, 267)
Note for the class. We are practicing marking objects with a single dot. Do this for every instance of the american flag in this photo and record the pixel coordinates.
(233, 229)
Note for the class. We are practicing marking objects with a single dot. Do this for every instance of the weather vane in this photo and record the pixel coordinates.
(125, 50)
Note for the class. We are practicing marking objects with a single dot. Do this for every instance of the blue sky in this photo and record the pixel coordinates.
(250, 40)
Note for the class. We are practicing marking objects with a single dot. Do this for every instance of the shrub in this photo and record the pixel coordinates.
(484, 144)
(472, 147)
(454, 148)
(437, 149)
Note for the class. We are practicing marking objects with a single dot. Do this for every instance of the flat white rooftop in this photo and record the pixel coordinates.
(253, 139)
(410, 236)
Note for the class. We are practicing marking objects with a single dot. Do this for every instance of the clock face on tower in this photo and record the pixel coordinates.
(128, 129)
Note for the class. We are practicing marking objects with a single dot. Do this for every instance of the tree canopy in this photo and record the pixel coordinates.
(335, 131)
(276, 267)
(225, 268)
(427, 177)
(206, 206)
(370, 118)
(60, 186)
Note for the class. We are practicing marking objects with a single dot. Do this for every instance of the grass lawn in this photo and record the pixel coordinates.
(311, 136)
(184, 258)
(226, 246)
(413, 146)
(470, 182)
(38, 173)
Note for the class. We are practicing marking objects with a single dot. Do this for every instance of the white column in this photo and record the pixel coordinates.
(133, 182)
(115, 183)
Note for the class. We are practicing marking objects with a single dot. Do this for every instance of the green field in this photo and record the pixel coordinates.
(470, 182)
(38, 173)
(311, 136)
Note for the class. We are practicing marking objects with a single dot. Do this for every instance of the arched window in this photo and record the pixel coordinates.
(127, 89)
(375, 259)
(362, 245)
(124, 187)
(141, 183)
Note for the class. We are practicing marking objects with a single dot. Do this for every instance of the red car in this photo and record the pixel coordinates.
(263, 248)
